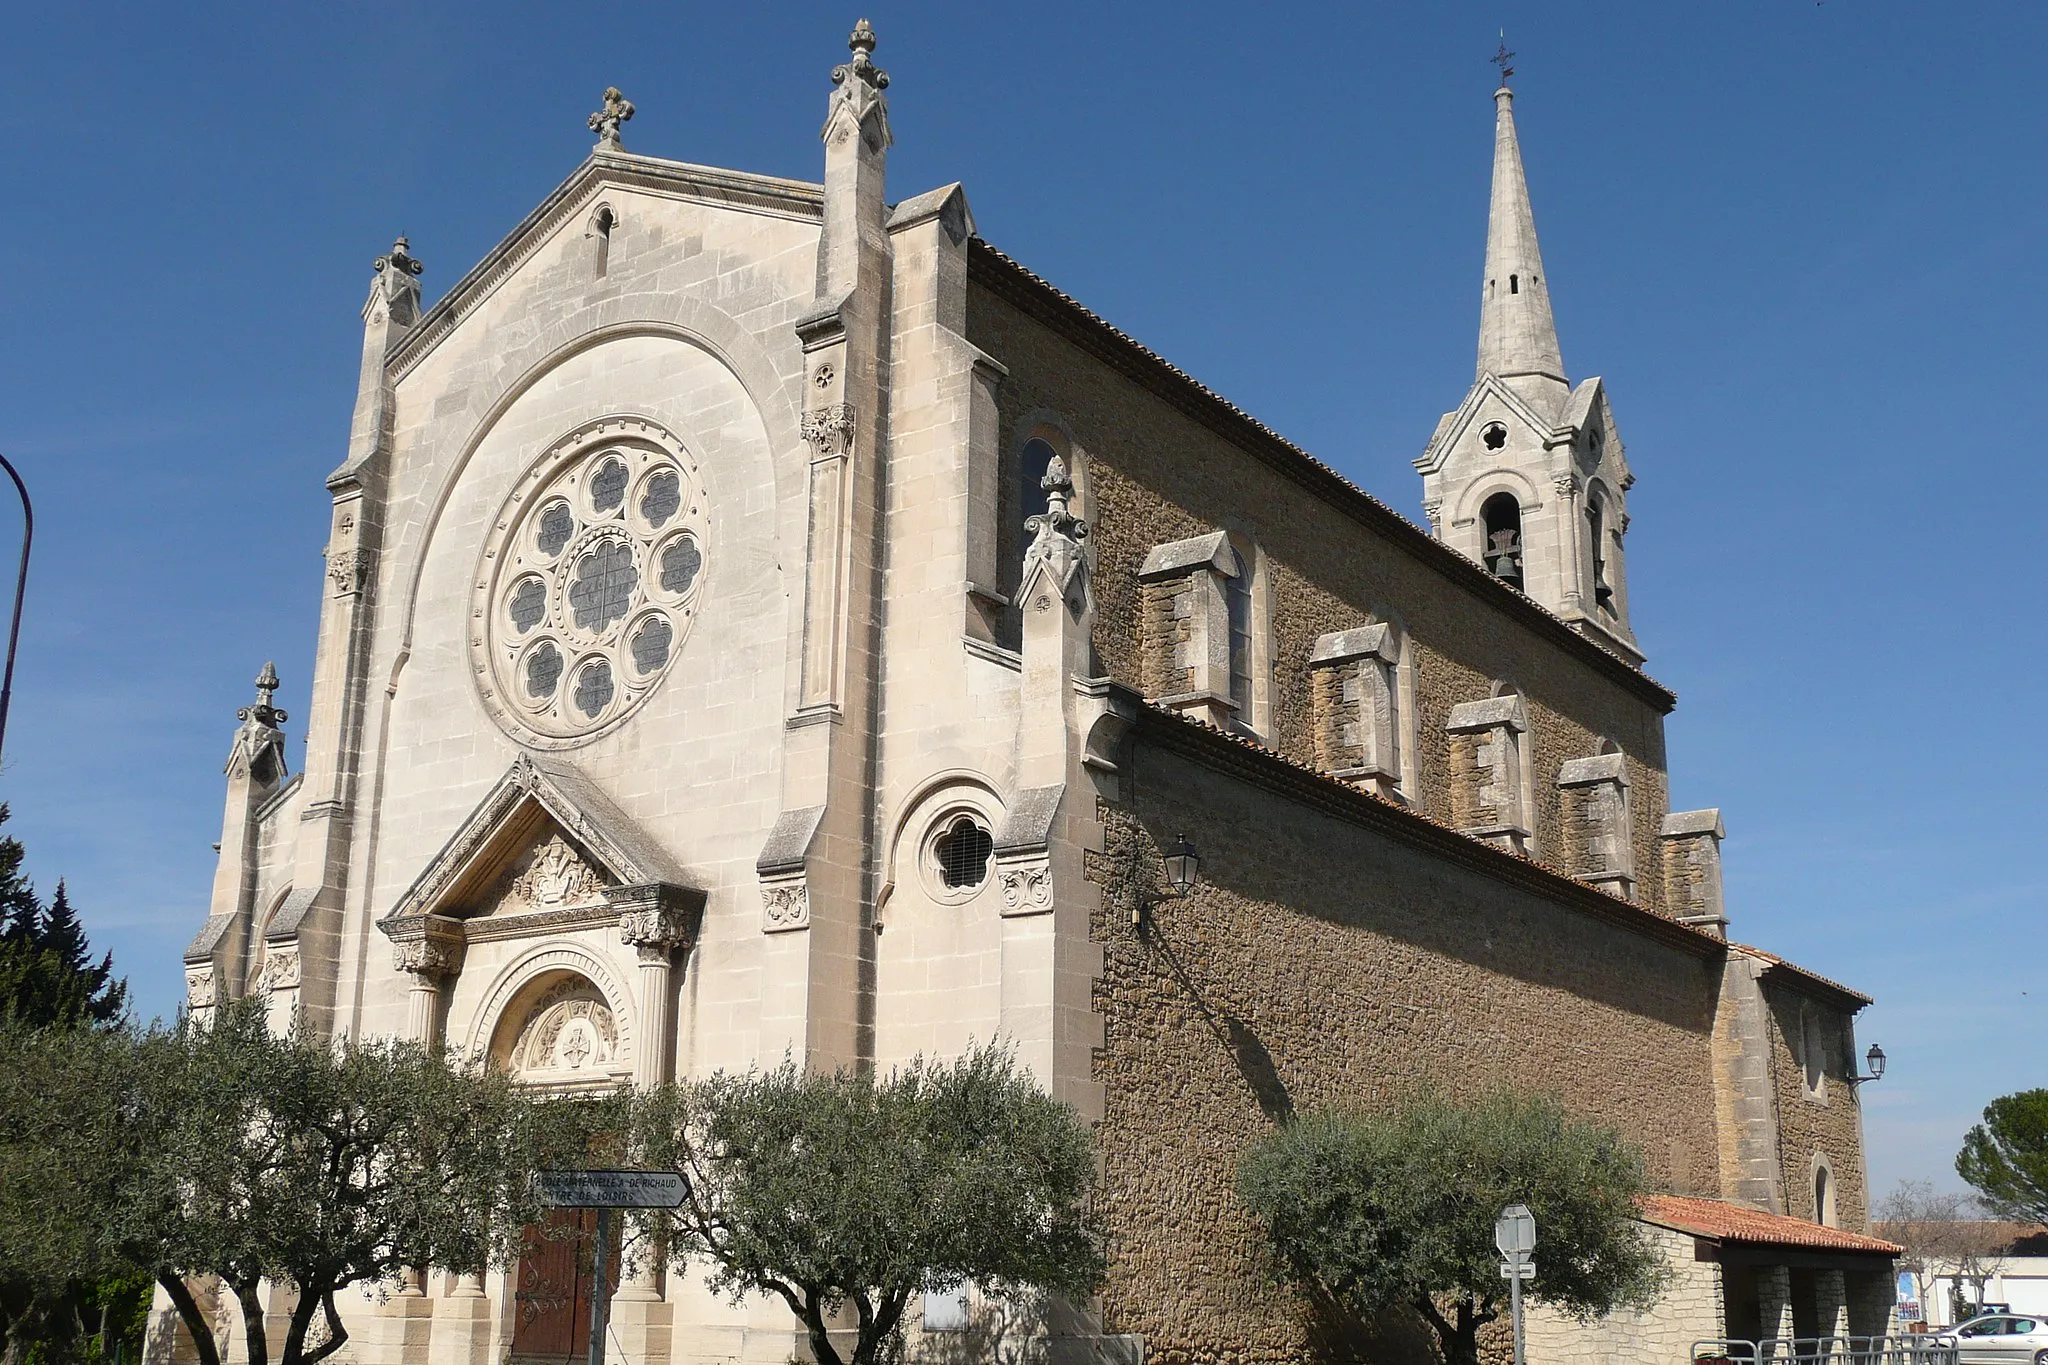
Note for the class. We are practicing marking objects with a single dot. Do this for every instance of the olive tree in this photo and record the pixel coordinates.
(849, 1191)
(1378, 1211)
(322, 1166)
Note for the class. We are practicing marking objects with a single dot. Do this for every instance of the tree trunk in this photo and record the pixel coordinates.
(251, 1304)
(822, 1349)
(195, 1321)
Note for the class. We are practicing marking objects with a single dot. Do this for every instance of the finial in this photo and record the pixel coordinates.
(263, 713)
(862, 66)
(401, 260)
(1504, 59)
(605, 122)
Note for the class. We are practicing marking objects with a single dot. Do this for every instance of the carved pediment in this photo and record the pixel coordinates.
(552, 874)
(544, 841)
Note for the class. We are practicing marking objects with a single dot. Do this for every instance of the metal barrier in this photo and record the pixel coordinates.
(1916, 1349)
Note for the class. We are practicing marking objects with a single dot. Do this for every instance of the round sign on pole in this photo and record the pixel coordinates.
(1515, 1232)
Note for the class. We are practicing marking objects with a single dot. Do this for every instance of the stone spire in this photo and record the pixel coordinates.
(1517, 335)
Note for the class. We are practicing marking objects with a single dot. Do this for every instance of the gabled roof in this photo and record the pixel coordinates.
(797, 199)
(1743, 1226)
(1045, 303)
(526, 799)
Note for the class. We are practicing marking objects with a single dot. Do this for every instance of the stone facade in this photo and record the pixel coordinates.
(761, 619)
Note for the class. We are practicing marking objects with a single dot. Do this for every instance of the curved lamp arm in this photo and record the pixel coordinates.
(28, 534)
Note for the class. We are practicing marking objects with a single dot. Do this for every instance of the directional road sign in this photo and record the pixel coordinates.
(613, 1189)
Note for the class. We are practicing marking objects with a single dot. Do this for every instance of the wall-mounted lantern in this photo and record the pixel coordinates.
(1183, 872)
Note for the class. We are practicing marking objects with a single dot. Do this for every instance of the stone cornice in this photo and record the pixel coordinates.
(1261, 767)
(1040, 300)
(796, 199)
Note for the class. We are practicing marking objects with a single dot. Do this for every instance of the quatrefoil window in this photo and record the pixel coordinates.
(590, 581)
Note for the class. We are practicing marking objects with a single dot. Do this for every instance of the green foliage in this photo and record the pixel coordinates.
(68, 1147)
(1377, 1211)
(227, 1152)
(324, 1166)
(840, 1190)
(47, 975)
(2006, 1156)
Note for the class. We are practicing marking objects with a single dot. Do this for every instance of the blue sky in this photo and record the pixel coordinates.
(1800, 240)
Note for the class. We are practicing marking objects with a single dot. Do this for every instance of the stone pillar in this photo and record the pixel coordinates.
(462, 1323)
(1831, 1306)
(1774, 1300)
(428, 948)
(1567, 489)
(657, 921)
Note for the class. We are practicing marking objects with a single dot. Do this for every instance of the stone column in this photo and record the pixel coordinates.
(462, 1323)
(1567, 489)
(1774, 1300)
(1831, 1306)
(428, 948)
(659, 922)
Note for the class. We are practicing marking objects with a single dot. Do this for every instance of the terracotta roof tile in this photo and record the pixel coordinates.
(1753, 1227)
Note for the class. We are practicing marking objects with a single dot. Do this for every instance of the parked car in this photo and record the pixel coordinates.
(2002, 1339)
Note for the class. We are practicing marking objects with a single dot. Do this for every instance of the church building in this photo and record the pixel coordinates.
(762, 618)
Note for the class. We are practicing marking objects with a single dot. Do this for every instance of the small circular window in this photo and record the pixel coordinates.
(588, 585)
(958, 856)
(1494, 434)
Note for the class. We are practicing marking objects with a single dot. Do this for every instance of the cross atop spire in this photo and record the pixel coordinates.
(1517, 334)
(1504, 59)
(605, 122)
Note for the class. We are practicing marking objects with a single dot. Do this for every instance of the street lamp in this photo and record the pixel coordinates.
(1183, 871)
(1874, 1059)
(28, 534)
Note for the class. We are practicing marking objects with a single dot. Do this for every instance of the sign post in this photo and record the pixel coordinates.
(605, 1191)
(1515, 1234)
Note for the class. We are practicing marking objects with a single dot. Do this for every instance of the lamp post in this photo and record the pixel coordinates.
(28, 533)
(1515, 1234)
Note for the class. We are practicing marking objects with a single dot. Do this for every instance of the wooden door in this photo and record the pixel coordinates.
(553, 1288)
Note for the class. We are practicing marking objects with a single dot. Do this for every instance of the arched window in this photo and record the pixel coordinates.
(601, 224)
(1823, 1196)
(1813, 1051)
(1596, 537)
(1031, 466)
(1502, 515)
(1238, 599)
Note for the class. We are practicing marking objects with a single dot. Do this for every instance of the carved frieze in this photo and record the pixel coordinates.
(829, 430)
(785, 906)
(281, 969)
(1026, 890)
(350, 570)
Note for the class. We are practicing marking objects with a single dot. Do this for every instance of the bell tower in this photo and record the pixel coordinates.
(1527, 476)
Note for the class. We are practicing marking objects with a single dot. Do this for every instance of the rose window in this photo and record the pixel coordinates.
(589, 582)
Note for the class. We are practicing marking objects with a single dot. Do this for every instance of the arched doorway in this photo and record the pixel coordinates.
(558, 1032)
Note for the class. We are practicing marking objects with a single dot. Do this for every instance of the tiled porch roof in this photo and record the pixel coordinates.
(1753, 1227)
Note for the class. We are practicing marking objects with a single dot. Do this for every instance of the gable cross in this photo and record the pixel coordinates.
(605, 122)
